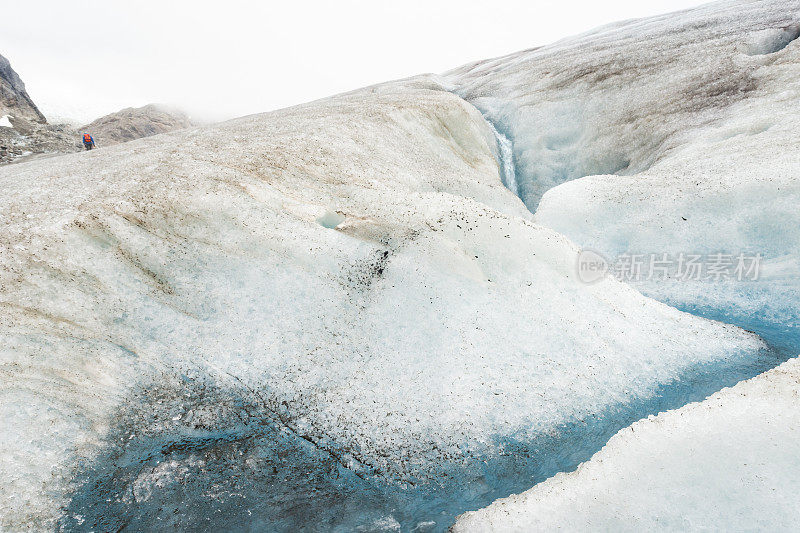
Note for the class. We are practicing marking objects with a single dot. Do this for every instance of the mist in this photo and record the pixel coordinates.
(219, 60)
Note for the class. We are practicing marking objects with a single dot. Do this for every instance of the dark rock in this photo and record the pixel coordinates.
(14, 99)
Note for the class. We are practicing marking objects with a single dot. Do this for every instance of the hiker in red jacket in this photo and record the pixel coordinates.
(88, 141)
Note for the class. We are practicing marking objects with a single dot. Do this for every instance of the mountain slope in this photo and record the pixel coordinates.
(134, 123)
(24, 131)
(14, 100)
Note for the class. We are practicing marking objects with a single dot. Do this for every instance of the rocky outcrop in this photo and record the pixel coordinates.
(135, 123)
(14, 99)
(26, 139)
(24, 131)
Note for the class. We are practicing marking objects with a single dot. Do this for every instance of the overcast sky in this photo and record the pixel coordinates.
(224, 58)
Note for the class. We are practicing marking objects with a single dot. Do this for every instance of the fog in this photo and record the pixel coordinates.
(218, 59)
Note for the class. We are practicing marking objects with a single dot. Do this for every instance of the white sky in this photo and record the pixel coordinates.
(224, 58)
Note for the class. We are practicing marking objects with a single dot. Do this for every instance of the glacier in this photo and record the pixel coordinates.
(363, 313)
(706, 163)
(183, 305)
(616, 99)
(728, 463)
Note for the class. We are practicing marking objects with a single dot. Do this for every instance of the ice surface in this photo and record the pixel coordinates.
(733, 186)
(726, 464)
(615, 100)
(4, 122)
(728, 186)
(184, 340)
(336, 314)
(670, 135)
(505, 157)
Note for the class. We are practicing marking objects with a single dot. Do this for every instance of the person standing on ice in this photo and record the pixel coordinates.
(88, 141)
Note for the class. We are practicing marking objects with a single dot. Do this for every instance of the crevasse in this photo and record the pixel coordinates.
(506, 159)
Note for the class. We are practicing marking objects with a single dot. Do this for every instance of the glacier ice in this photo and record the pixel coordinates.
(728, 463)
(685, 144)
(505, 157)
(174, 307)
(614, 100)
(337, 314)
(733, 188)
